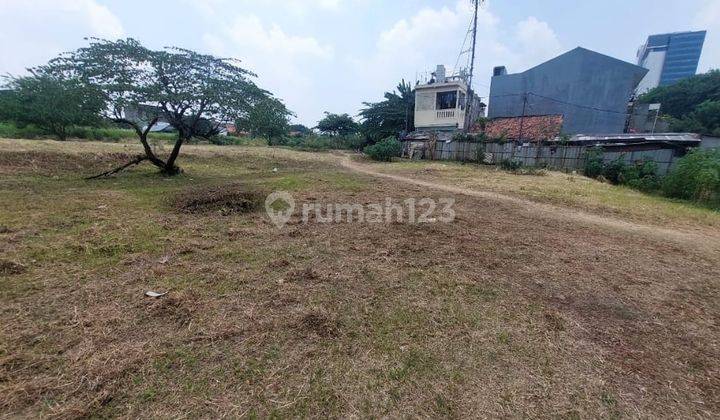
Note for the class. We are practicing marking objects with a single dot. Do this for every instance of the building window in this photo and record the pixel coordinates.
(446, 100)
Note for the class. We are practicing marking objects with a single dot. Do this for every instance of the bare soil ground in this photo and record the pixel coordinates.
(529, 304)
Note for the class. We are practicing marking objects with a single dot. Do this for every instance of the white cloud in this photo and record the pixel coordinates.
(433, 36)
(537, 40)
(36, 30)
(286, 64)
(709, 18)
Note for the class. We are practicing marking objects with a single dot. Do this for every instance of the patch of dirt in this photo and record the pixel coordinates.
(9, 268)
(305, 275)
(222, 199)
(321, 324)
(176, 309)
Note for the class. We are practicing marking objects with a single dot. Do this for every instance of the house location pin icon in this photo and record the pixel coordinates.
(279, 207)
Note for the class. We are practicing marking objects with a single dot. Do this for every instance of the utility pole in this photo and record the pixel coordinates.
(522, 122)
(522, 118)
(470, 94)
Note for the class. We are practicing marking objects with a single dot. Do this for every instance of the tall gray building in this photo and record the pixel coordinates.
(590, 90)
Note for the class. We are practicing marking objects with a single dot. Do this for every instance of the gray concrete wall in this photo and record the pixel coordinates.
(710, 142)
(564, 158)
(589, 89)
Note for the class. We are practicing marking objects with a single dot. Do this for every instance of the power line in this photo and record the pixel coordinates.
(578, 105)
(560, 101)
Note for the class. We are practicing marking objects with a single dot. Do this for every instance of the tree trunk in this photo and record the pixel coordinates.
(170, 168)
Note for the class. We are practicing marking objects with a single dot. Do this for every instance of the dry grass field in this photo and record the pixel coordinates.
(549, 296)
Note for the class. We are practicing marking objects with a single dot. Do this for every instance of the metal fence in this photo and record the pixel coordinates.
(565, 158)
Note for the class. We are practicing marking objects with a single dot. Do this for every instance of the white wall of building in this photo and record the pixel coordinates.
(654, 62)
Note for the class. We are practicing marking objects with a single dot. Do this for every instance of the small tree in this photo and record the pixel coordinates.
(337, 125)
(186, 89)
(391, 116)
(51, 103)
(268, 118)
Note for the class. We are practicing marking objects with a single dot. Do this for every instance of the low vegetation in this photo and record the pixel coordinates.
(695, 177)
(384, 150)
(510, 311)
(13, 131)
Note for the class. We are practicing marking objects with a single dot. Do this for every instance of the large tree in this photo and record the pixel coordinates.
(50, 102)
(184, 88)
(337, 125)
(391, 116)
(268, 118)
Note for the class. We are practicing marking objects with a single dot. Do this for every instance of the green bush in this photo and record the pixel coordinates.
(317, 143)
(641, 176)
(510, 165)
(384, 150)
(13, 131)
(695, 177)
(594, 164)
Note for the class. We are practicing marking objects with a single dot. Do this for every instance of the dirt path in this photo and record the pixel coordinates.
(701, 241)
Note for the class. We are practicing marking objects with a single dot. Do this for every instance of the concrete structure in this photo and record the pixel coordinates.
(669, 58)
(590, 90)
(563, 154)
(441, 104)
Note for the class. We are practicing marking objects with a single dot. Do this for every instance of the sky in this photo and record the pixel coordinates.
(333, 55)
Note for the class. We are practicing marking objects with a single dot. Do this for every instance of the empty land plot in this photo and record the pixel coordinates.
(508, 311)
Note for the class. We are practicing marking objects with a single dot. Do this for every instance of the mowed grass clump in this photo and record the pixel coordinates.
(223, 199)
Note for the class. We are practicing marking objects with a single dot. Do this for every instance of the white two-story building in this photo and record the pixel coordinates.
(441, 104)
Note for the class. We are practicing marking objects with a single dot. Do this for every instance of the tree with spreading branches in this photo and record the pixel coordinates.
(184, 88)
(337, 125)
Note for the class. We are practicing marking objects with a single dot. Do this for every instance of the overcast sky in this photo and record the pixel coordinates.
(332, 55)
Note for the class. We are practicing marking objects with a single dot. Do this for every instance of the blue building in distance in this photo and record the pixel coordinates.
(670, 58)
(588, 89)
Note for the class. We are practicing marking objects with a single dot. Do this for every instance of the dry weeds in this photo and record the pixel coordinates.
(222, 199)
(504, 313)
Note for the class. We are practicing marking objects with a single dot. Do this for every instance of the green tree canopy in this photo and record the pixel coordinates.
(337, 125)
(391, 116)
(268, 118)
(299, 128)
(52, 103)
(179, 86)
(691, 104)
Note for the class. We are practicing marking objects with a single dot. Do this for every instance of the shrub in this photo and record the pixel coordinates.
(10, 130)
(613, 171)
(641, 176)
(510, 165)
(696, 177)
(316, 143)
(384, 150)
(594, 164)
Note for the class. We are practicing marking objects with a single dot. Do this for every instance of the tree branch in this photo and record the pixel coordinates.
(133, 162)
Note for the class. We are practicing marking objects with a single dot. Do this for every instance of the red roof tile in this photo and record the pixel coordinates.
(534, 128)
